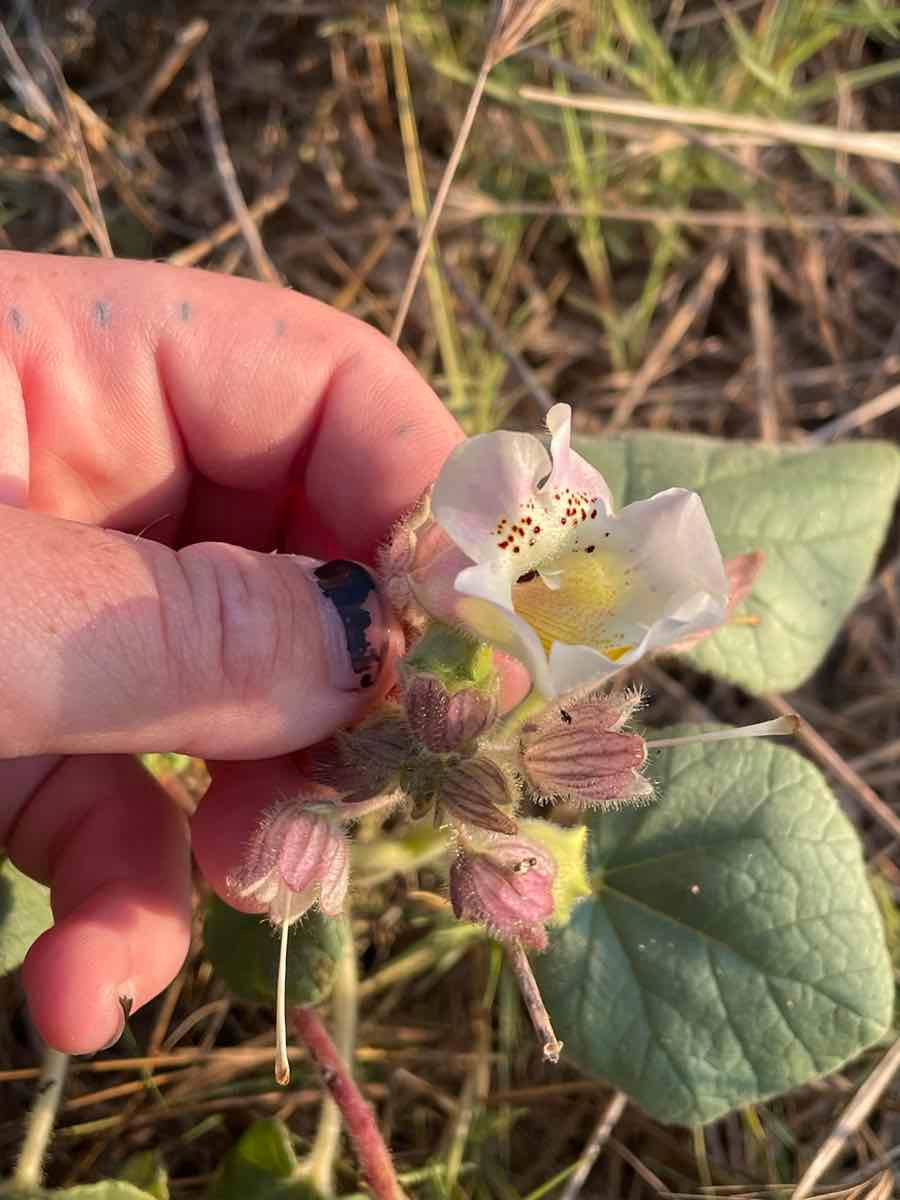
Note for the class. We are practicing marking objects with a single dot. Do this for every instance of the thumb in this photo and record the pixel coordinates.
(111, 643)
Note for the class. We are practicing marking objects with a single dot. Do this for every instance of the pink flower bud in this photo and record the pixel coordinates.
(418, 565)
(507, 886)
(474, 791)
(298, 856)
(442, 720)
(577, 753)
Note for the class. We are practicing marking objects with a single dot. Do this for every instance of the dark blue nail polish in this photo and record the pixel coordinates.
(353, 596)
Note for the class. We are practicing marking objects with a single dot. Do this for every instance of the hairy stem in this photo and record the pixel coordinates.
(39, 1128)
(319, 1167)
(372, 1154)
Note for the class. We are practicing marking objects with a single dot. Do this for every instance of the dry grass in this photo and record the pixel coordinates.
(714, 247)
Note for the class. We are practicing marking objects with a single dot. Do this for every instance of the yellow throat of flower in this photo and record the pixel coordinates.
(583, 610)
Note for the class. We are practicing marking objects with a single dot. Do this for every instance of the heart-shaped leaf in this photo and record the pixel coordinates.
(262, 1166)
(732, 949)
(244, 950)
(147, 1171)
(819, 515)
(24, 915)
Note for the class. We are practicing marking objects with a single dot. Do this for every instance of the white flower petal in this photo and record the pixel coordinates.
(674, 584)
(539, 565)
(575, 667)
(570, 470)
(485, 606)
(487, 480)
(674, 565)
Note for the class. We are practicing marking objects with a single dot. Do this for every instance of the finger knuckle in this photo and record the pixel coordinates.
(239, 614)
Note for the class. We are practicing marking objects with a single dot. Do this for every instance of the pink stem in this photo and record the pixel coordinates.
(372, 1154)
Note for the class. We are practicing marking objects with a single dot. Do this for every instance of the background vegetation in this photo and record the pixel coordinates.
(715, 249)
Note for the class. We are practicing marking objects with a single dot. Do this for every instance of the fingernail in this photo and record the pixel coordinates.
(126, 1003)
(354, 624)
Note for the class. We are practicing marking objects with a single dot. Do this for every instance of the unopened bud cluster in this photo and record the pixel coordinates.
(439, 746)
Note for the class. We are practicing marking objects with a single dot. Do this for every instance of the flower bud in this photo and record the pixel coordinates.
(297, 856)
(367, 761)
(577, 753)
(475, 791)
(417, 567)
(443, 720)
(450, 689)
(508, 886)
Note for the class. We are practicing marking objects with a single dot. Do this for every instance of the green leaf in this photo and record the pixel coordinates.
(568, 848)
(147, 1171)
(819, 515)
(262, 1166)
(732, 948)
(243, 948)
(24, 915)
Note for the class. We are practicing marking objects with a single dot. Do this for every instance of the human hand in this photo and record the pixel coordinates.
(163, 430)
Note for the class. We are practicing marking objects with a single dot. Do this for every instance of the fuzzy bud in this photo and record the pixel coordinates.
(443, 720)
(417, 567)
(475, 791)
(367, 761)
(577, 753)
(450, 689)
(507, 886)
(297, 856)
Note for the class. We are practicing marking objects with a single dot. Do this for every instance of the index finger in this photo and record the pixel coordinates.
(119, 381)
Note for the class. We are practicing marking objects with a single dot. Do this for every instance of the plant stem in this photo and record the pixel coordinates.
(30, 1167)
(319, 1167)
(533, 1001)
(372, 1154)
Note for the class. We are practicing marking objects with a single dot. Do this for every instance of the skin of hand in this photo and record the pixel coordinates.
(163, 431)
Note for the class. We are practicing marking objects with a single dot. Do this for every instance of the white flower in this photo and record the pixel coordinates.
(544, 569)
